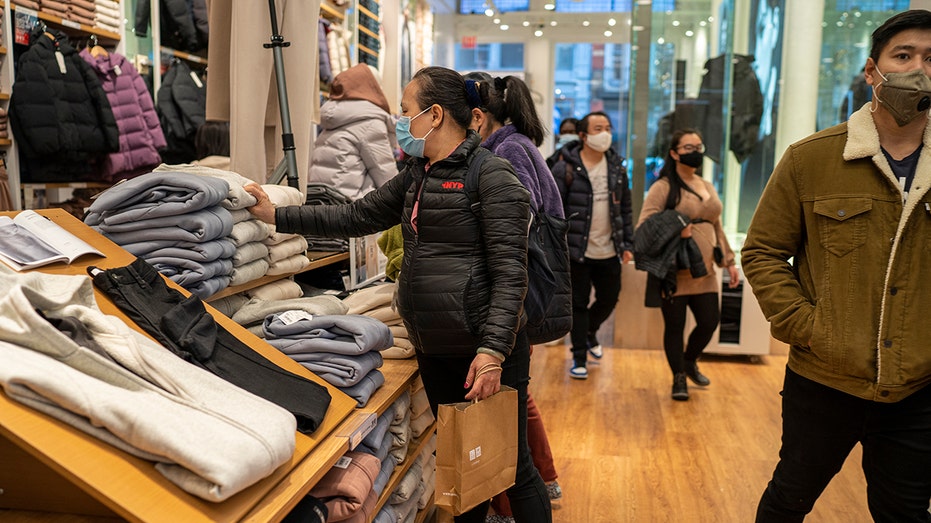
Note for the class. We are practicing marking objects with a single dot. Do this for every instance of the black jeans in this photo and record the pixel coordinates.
(184, 327)
(605, 277)
(707, 314)
(443, 379)
(820, 426)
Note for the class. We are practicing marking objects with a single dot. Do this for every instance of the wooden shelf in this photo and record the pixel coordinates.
(366, 12)
(317, 259)
(92, 477)
(367, 50)
(4, 96)
(184, 56)
(413, 450)
(62, 23)
(331, 11)
(399, 375)
(368, 31)
(6, 141)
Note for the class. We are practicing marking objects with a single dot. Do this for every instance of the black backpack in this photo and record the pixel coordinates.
(548, 304)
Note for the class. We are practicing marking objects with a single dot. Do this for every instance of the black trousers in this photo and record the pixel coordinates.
(820, 426)
(184, 326)
(443, 380)
(707, 314)
(605, 277)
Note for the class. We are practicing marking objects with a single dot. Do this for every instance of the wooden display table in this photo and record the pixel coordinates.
(46, 465)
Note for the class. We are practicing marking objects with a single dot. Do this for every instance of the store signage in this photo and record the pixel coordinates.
(468, 42)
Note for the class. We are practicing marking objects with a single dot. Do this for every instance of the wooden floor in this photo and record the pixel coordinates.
(626, 452)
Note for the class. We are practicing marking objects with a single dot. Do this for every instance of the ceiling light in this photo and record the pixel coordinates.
(703, 23)
(608, 33)
(675, 23)
(689, 33)
(553, 23)
(549, 6)
(497, 20)
(505, 27)
(585, 23)
(489, 12)
(525, 23)
(538, 32)
(661, 40)
(611, 22)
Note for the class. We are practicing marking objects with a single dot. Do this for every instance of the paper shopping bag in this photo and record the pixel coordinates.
(476, 451)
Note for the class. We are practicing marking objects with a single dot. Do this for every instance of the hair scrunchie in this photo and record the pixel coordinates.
(472, 96)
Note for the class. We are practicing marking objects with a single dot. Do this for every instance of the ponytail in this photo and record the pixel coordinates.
(508, 100)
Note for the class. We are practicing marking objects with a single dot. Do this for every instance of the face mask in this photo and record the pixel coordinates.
(599, 142)
(410, 145)
(905, 95)
(566, 138)
(692, 159)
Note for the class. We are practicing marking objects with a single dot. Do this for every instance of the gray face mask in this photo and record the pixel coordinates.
(905, 95)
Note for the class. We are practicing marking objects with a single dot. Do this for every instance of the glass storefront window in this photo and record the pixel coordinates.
(490, 57)
(470, 7)
(593, 77)
(847, 29)
(699, 79)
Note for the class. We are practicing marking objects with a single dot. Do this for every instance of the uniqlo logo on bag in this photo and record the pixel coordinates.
(475, 453)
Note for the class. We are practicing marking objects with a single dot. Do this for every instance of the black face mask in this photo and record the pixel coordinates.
(692, 159)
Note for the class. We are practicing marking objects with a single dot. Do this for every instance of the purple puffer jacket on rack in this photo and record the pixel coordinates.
(140, 132)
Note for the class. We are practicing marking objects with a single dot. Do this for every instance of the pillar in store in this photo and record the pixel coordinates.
(801, 58)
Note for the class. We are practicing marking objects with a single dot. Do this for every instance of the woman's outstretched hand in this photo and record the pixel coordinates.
(264, 209)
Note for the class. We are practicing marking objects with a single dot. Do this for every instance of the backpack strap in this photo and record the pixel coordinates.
(471, 179)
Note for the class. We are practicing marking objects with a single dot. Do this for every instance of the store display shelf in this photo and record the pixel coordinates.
(366, 12)
(331, 11)
(5, 142)
(317, 259)
(413, 451)
(184, 56)
(92, 477)
(367, 50)
(63, 23)
(398, 377)
(368, 31)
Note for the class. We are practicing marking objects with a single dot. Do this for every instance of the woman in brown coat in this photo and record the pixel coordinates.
(680, 187)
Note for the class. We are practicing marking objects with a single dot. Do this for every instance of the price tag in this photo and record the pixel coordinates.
(293, 316)
(200, 85)
(70, 23)
(61, 62)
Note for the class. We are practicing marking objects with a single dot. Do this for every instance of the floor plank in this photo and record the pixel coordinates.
(626, 452)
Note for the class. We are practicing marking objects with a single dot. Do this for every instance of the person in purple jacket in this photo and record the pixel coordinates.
(501, 100)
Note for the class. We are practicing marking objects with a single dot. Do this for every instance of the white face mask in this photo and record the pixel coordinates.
(599, 142)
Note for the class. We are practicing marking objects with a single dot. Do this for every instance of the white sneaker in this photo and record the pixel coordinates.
(579, 373)
(594, 348)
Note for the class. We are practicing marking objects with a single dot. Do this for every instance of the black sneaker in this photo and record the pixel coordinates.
(691, 370)
(680, 388)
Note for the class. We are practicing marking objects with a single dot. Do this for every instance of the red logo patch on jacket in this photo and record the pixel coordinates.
(453, 185)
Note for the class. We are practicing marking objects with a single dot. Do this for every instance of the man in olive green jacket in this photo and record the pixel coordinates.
(839, 257)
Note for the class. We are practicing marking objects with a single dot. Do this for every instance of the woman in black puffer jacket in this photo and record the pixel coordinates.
(464, 272)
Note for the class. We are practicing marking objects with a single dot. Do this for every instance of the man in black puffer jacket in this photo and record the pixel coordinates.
(596, 197)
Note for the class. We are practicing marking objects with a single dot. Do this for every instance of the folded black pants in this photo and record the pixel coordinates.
(184, 326)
